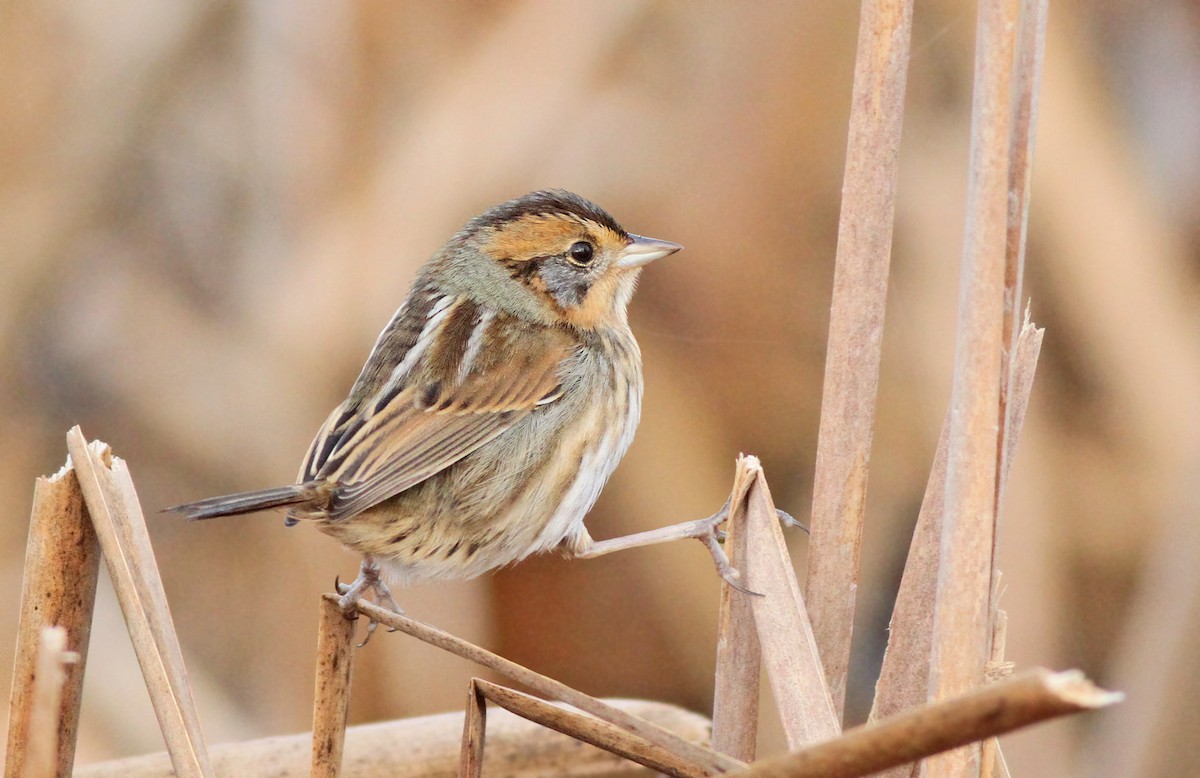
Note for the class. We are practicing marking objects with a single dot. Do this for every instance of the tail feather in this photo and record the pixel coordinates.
(247, 502)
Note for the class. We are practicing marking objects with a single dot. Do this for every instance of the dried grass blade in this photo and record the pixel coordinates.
(331, 699)
(789, 650)
(549, 688)
(589, 729)
(856, 330)
(62, 564)
(736, 692)
(121, 529)
(984, 712)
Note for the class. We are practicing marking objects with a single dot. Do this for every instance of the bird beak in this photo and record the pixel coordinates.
(642, 251)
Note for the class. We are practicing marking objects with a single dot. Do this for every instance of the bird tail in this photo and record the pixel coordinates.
(248, 502)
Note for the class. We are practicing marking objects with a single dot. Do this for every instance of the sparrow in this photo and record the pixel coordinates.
(492, 409)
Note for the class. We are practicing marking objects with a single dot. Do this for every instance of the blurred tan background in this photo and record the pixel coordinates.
(209, 210)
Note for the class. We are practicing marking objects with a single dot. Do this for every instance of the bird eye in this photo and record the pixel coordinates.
(581, 253)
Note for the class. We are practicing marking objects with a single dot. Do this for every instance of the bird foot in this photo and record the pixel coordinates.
(709, 533)
(371, 584)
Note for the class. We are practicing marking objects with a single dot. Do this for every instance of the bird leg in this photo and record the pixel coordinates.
(369, 582)
(705, 530)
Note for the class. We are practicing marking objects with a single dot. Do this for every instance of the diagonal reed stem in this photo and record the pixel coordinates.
(549, 688)
(934, 728)
(117, 516)
(580, 726)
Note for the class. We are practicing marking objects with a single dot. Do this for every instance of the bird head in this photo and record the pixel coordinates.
(562, 259)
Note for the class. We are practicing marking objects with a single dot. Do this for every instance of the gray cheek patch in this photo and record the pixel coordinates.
(568, 285)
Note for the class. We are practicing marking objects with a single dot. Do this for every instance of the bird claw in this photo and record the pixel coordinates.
(788, 520)
(707, 532)
(370, 583)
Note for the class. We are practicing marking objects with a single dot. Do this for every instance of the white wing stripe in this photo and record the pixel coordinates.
(475, 342)
(437, 314)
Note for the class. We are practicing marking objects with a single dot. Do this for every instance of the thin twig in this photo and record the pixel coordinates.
(117, 516)
(548, 687)
(789, 650)
(736, 691)
(962, 625)
(856, 330)
(45, 720)
(587, 729)
(985, 712)
(62, 564)
(331, 700)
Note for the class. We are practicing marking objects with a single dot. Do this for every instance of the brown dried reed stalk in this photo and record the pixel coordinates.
(962, 615)
(62, 563)
(860, 282)
(580, 726)
(117, 517)
(984, 712)
(331, 700)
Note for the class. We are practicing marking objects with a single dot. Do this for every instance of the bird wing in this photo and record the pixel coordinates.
(474, 375)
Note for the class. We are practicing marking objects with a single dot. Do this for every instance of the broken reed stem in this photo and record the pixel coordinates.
(904, 677)
(62, 564)
(789, 649)
(331, 699)
(739, 666)
(41, 750)
(117, 517)
(549, 688)
(962, 624)
(984, 712)
(470, 764)
(856, 331)
(580, 726)
(1027, 80)
(1026, 350)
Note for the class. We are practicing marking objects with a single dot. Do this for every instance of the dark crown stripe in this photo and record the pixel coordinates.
(547, 203)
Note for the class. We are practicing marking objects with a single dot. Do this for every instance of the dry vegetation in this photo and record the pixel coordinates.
(208, 210)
